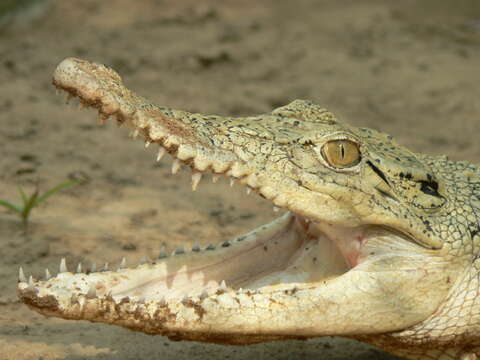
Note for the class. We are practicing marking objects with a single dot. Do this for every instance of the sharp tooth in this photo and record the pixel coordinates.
(47, 274)
(21, 275)
(163, 252)
(147, 143)
(215, 178)
(232, 181)
(162, 301)
(223, 285)
(105, 267)
(135, 133)
(79, 268)
(196, 177)
(176, 166)
(63, 266)
(160, 154)
(93, 268)
(249, 191)
(30, 281)
(123, 264)
(68, 98)
(276, 209)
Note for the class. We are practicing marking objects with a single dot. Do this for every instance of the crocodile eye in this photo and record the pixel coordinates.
(341, 153)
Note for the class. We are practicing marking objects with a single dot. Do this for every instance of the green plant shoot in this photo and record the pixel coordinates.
(29, 202)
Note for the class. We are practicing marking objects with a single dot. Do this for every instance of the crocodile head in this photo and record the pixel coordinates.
(365, 247)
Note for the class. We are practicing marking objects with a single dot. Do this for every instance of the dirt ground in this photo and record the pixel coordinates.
(409, 68)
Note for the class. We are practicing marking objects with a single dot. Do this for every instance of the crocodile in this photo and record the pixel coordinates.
(377, 243)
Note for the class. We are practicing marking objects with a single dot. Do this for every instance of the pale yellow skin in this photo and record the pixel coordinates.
(415, 294)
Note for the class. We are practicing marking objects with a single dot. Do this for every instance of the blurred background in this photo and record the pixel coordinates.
(409, 68)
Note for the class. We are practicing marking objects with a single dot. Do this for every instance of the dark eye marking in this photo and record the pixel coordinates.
(429, 188)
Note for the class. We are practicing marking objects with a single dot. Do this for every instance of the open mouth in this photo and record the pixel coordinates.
(291, 277)
(287, 254)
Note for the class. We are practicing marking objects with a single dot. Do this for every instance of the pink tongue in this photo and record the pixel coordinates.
(348, 240)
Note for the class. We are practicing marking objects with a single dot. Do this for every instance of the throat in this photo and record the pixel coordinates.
(348, 240)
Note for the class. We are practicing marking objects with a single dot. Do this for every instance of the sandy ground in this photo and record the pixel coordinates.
(409, 70)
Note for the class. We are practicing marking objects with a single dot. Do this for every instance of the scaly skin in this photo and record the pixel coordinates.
(383, 248)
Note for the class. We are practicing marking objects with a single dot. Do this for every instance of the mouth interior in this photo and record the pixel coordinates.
(287, 253)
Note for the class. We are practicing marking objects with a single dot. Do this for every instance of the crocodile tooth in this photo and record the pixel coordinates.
(93, 268)
(79, 268)
(68, 98)
(162, 301)
(21, 275)
(223, 285)
(276, 209)
(47, 274)
(249, 191)
(196, 177)
(176, 166)
(123, 264)
(160, 154)
(135, 133)
(215, 178)
(30, 281)
(105, 267)
(163, 252)
(232, 181)
(147, 143)
(63, 266)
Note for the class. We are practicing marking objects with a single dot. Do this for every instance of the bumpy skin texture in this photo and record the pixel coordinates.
(418, 307)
